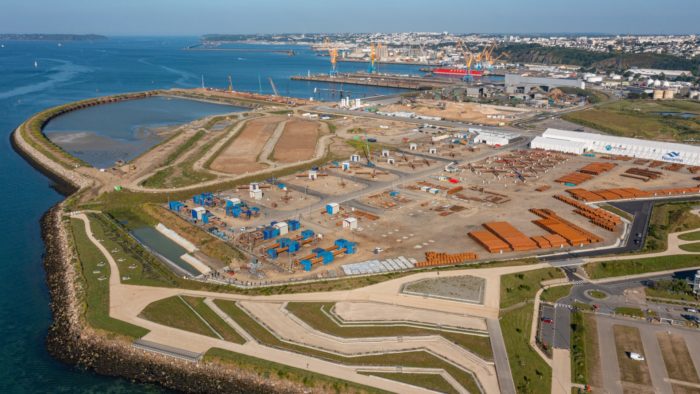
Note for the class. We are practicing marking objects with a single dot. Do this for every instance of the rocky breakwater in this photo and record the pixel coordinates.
(72, 341)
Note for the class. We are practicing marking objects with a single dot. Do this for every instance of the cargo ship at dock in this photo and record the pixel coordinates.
(457, 72)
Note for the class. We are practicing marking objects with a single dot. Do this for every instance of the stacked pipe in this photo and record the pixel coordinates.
(433, 259)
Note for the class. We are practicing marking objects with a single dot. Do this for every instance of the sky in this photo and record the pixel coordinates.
(196, 17)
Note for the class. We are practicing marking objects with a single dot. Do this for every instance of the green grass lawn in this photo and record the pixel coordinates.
(174, 312)
(93, 266)
(585, 359)
(640, 119)
(407, 359)
(628, 311)
(693, 247)
(669, 218)
(552, 294)
(132, 259)
(531, 374)
(659, 293)
(694, 236)
(606, 269)
(221, 327)
(521, 287)
(429, 381)
(269, 369)
(597, 294)
(312, 314)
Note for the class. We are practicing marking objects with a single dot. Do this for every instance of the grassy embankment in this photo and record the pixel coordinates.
(190, 314)
(431, 381)
(419, 359)
(93, 267)
(312, 313)
(665, 219)
(531, 374)
(265, 369)
(641, 119)
(585, 359)
(552, 294)
(669, 218)
(694, 236)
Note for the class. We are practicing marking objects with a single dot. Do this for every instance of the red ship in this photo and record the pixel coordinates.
(460, 72)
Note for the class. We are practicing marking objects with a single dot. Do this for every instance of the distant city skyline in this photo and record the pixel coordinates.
(181, 17)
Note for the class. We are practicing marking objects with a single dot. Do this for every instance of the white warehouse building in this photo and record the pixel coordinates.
(579, 142)
(490, 137)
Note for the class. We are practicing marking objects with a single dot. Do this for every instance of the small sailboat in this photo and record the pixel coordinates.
(36, 64)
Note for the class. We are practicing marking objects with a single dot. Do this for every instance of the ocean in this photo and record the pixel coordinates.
(79, 70)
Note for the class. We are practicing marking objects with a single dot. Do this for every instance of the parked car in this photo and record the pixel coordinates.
(547, 320)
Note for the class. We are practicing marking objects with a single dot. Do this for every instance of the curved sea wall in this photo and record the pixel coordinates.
(72, 342)
(70, 339)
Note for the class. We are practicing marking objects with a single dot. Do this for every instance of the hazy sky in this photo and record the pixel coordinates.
(189, 17)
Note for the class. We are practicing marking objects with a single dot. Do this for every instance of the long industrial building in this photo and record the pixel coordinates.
(522, 84)
(580, 142)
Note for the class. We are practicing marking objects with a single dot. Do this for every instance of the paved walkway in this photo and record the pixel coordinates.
(674, 243)
(561, 371)
(127, 302)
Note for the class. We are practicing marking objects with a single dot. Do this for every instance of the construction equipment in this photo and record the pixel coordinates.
(371, 68)
(333, 53)
(274, 88)
(230, 84)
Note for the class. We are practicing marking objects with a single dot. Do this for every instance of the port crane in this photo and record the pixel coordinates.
(373, 50)
(468, 58)
(333, 53)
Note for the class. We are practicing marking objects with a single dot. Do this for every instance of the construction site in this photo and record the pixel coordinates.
(492, 198)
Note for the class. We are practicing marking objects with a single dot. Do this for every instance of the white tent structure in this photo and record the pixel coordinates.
(579, 142)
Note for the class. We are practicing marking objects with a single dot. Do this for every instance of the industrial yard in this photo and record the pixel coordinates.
(420, 214)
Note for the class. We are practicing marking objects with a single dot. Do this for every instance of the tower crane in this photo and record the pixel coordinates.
(468, 58)
(333, 53)
(373, 50)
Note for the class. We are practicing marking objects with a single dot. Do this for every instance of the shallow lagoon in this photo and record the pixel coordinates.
(103, 134)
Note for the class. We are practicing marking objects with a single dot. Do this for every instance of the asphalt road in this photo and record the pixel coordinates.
(641, 209)
(500, 357)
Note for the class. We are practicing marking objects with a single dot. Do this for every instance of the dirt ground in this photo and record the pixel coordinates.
(679, 365)
(468, 112)
(332, 185)
(386, 131)
(298, 141)
(241, 155)
(634, 375)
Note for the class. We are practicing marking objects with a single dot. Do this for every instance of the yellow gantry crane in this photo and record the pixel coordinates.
(373, 51)
(333, 53)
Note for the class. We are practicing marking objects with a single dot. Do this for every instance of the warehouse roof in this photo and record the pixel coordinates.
(602, 139)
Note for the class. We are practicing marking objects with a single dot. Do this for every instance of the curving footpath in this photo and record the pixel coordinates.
(127, 302)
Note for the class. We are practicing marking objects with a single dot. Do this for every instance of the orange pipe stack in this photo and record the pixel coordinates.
(433, 259)
(489, 241)
(454, 190)
(517, 241)
(575, 178)
(626, 193)
(554, 224)
(598, 216)
(597, 168)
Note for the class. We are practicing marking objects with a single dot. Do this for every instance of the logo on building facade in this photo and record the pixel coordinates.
(672, 156)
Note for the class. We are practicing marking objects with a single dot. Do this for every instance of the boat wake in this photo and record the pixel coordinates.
(61, 73)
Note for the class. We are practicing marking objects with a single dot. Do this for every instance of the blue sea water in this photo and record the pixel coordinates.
(79, 70)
